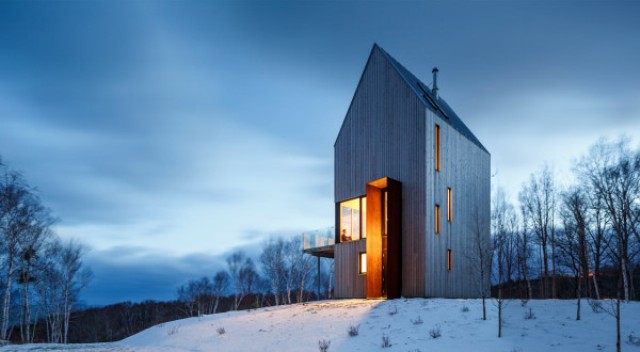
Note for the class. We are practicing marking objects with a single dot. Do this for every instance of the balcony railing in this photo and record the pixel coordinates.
(321, 240)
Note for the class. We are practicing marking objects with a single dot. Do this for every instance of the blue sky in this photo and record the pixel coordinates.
(164, 134)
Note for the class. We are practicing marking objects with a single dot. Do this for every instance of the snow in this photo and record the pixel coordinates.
(300, 327)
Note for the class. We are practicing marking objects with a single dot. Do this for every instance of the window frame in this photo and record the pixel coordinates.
(362, 218)
(362, 256)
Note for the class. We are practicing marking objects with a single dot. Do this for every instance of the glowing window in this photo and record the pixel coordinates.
(449, 260)
(437, 142)
(449, 204)
(363, 263)
(353, 219)
(437, 219)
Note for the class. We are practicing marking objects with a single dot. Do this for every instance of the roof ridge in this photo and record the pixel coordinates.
(438, 105)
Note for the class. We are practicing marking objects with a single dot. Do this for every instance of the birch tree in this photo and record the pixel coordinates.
(538, 197)
(613, 171)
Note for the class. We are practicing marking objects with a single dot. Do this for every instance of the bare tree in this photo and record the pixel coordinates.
(613, 171)
(293, 257)
(24, 227)
(573, 242)
(599, 237)
(14, 219)
(303, 272)
(273, 266)
(221, 282)
(64, 276)
(480, 254)
(242, 273)
(197, 295)
(74, 277)
(503, 219)
(524, 253)
(538, 197)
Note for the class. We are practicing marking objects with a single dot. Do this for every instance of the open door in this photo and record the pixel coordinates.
(384, 238)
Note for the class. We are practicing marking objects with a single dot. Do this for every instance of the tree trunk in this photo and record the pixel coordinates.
(618, 347)
(579, 296)
(554, 292)
(625, 279)
(6, 302)
(595, 285)
(499, 317)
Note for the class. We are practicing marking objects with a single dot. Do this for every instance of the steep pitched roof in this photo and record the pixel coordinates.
(438, 105)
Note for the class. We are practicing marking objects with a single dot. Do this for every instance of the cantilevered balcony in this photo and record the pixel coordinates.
(319, 242)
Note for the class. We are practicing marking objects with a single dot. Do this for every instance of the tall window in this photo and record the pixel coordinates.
(437, 138)
(437, 219)
(449, 260)
(449, 204)
(362, 263)
(353, 219)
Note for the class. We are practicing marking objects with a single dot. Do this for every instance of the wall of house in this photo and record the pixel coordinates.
(349, 283)
(465, 168)
(383, 135)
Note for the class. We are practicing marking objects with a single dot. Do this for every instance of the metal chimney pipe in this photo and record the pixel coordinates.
(435, 82)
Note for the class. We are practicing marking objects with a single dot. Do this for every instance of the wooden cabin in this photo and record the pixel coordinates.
(412, 191)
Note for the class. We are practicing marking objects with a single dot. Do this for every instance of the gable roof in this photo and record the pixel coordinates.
(437, 105)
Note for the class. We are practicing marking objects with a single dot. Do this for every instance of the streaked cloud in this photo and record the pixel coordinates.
(163, 134)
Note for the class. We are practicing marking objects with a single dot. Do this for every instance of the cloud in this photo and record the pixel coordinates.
(129, 273)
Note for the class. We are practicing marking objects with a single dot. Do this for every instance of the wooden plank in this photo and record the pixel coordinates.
(349, 282)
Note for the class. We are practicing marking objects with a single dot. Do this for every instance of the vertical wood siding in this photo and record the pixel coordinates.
(464, 168)
(349, 283)
(383, 135)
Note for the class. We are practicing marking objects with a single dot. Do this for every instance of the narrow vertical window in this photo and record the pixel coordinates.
(363, 217)
(449, 204)
(449, 260)
(362, 263)
(437, 156)
(437, 219)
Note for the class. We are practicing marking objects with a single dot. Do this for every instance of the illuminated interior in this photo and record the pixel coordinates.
(363, 263)
(437, 138)
(449, 260)
(437, 219)
(449, 204)
(353, 219)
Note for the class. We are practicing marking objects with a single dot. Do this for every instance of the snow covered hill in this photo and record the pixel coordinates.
(407, 324)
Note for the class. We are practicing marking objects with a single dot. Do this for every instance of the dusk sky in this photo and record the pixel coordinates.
(165, 134)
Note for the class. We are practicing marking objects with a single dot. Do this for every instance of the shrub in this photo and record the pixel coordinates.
(596, 306)
(633, 340)
(417, 321)
(465, 308)
(435, 332)
(221, 331)
(353, 330)
(393, 310)
(529, 315)
(174, 330)
(323, 345)
(386, 342)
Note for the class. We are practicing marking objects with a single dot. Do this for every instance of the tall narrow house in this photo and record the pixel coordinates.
(412, 191)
